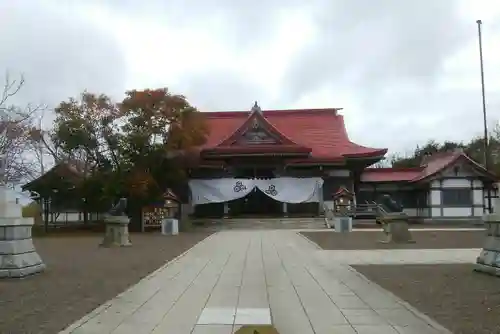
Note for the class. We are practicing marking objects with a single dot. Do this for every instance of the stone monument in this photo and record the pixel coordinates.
(116, 220)
(18, 257)
(488, 260)
(394, 222)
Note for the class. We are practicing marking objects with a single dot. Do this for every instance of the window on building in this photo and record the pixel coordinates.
(456, 197)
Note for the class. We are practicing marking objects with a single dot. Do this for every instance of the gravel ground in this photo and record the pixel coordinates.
(464, 301)
(80, 276)
(424, 240)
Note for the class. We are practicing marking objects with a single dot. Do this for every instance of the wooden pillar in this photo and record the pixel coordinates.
(45, 205)
(356, 174)
(321, 210)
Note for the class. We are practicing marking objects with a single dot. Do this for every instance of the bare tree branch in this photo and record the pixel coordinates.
(17, 128)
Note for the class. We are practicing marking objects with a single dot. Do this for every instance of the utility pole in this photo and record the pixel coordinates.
(485, 123)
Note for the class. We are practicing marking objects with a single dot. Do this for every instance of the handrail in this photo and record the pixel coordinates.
(367, 208)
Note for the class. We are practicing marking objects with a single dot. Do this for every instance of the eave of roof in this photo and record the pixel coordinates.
(390, 174)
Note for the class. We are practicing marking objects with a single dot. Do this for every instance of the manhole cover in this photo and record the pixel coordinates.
(257, 329)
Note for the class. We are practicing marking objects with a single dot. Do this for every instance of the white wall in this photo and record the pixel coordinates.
(72, 217)
(452, 212)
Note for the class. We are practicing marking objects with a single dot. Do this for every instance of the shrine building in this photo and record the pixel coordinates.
(293, 162)
(285, 163)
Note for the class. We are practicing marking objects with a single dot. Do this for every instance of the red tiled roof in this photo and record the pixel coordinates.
(433, 165)
(342, 191)
(321, 130)
(390, 174)
(439, 161)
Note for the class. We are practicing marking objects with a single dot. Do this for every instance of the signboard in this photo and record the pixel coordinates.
(153, 215)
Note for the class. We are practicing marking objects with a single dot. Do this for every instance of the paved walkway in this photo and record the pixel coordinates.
(256, 277)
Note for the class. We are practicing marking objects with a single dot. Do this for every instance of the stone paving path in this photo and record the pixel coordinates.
(257, 277)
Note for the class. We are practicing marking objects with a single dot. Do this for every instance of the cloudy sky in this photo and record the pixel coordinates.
(404, 71)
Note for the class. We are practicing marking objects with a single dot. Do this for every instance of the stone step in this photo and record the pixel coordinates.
(264, 223)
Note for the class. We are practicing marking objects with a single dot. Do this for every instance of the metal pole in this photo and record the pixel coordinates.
(485, 124)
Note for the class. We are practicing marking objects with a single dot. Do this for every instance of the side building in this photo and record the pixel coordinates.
(447, 185)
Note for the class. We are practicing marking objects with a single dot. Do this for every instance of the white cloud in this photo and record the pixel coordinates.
(403, 73)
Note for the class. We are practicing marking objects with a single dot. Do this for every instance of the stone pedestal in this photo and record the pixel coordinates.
(285, 210)
(396, 229)
(18, 257)
(116, 234)
(488, 260)
(342, 224)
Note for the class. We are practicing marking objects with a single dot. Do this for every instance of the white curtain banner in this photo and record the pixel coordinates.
(282, 189)
(219, 190)
(292, 189)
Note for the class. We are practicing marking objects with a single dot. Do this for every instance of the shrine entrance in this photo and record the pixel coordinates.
(254, 197)
(256, 203)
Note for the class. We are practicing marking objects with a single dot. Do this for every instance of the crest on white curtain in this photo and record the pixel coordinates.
(239, 186)
(271, 190)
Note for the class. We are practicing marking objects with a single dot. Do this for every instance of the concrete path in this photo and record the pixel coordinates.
(256, 277)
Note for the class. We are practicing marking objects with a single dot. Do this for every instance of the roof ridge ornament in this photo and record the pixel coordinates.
(256, 108)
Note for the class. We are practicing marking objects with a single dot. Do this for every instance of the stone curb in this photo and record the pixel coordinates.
(309, 241)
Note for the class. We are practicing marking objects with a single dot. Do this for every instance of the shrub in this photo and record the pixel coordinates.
(34, 211)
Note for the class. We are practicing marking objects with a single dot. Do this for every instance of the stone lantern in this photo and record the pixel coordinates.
(170, 223)
(342, 201)
(18, 256)
(171, 203)
(488, 260)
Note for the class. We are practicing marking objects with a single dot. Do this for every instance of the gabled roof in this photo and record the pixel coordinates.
(342, 191)
(320, 130)
(274, 140)
(70, 171)
(432, 165)
(170, 195)
(440, 161)
(256, 117)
